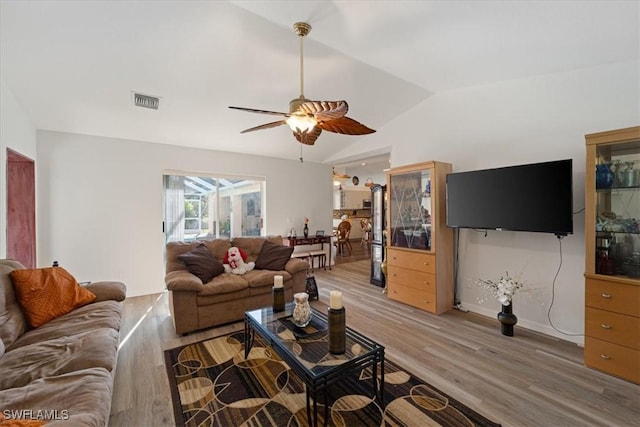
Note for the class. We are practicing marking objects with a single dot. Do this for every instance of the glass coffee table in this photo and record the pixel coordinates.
(306, 351)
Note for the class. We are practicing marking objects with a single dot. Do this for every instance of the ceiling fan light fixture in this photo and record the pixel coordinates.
(301, 123)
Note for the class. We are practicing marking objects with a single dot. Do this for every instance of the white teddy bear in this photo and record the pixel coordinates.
(235, 261)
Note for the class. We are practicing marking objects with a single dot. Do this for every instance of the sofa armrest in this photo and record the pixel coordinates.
(105, 291)
(182, 280)
(295, 265)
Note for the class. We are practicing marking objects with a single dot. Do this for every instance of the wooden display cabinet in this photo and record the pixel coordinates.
(612, 244)
(419, 244)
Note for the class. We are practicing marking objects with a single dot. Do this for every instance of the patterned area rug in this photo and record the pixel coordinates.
(212, 384)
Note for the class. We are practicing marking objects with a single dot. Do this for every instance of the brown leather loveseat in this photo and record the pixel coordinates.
(196, 303)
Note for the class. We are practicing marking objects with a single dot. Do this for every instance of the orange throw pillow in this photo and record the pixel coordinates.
(47, 293)
(18, 422)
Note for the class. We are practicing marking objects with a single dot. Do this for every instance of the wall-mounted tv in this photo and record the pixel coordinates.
(535, 197)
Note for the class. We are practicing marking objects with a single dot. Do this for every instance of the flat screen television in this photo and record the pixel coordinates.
(535, 197)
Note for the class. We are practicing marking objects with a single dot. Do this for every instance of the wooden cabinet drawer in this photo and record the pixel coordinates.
(613, 327)
(414, 297)
(611, 296)
(412, 260)
(412, 278)
(612, 358)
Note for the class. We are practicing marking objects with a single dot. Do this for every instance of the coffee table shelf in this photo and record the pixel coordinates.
(312, 362)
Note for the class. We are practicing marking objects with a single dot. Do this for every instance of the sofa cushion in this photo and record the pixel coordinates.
(201, 263)
(218, 247)
(273, 256)
(172, 251)
(47, 293)
(104, 314)
(264, 278)
(223, 284)
(1, 347)
(182, 280)
(105, 291)
(83, 397)
(210, 299)
(252, 246)
(90, 349)
(12, 320)
(296, 265)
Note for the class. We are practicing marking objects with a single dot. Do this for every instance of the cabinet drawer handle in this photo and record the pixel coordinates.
(606, 295)
(605, 357)
(605, 326)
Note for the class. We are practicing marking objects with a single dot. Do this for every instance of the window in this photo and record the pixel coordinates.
(209, 207)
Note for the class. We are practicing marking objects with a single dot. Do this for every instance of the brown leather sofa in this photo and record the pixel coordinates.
(63, 370)
(196, 305)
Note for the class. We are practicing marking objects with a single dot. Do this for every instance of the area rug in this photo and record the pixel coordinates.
(212, 384)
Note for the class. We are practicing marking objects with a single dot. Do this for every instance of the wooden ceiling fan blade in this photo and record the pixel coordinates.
(345, 126)
(308, 138)
(253, 110)
(265, 126)
(325, 110)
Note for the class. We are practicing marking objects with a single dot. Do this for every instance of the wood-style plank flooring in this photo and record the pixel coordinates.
(526, 380)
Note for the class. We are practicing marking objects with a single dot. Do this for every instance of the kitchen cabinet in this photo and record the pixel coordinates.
(350, 198)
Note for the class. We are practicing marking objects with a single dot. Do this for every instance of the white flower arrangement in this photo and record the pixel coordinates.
(503, 289)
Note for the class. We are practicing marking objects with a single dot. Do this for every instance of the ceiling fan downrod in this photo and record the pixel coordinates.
(302, 29)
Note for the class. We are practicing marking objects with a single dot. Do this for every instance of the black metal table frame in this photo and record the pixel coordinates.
(314, 383)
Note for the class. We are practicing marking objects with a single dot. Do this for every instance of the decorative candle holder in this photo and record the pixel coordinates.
(336, 320)
(278, 299)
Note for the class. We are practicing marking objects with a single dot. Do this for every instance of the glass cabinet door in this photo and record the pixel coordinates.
(377, 213)
(617, 221)
(410, 209)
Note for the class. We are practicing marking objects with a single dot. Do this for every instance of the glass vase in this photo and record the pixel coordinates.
(604, 176)
(301, 310)
(306, 231)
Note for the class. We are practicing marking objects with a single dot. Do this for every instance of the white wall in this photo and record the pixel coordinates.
(100, 202)
(515, 122)
(18, 133)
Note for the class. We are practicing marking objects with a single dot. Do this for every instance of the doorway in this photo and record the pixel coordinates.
(21, 209)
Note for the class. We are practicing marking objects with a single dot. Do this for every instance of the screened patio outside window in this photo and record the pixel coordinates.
(210, 207)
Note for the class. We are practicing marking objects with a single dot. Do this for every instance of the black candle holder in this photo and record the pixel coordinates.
(336, 320)
(278, 299)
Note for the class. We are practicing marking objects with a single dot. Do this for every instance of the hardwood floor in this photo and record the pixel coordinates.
(359, 252)
(526, 380)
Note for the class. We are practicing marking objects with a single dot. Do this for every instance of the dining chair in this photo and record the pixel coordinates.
(344, 231)
(365, 225)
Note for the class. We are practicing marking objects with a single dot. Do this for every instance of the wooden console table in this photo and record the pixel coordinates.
(311, 240)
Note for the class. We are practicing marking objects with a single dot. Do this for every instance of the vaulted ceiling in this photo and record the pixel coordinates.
(73, 65)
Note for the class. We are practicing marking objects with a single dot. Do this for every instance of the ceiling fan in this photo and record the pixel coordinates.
(307, 119)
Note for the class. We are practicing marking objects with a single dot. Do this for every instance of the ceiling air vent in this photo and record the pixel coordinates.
(146, 101)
